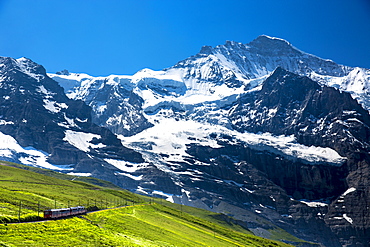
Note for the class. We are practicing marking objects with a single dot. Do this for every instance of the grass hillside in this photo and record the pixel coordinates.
(139, 225)
(25, 192)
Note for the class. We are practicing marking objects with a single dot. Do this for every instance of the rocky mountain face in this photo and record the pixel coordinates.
(253, 60)
(112, 100)
(46, 128)
(316, 116)
(275, 137)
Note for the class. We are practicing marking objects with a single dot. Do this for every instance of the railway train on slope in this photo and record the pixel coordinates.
(64, 212)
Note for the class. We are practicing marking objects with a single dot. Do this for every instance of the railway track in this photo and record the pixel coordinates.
(71, 216)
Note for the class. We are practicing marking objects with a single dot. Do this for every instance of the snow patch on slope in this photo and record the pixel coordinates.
(26, 66)
(347, 218)
(170, 136)
(10, 150)
(153, 87)
(81, 86)
(350, 190)
(49, 104)
(80, 174)
(82, 140)
(125, 166)
(4, 122)
(357, 83)
(54, 106)
(315, 204)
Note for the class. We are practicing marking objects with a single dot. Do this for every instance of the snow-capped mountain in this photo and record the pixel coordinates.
(40, 126)
(214, 74)
(264, 132)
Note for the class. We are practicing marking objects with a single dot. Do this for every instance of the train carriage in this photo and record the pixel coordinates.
(63, 212)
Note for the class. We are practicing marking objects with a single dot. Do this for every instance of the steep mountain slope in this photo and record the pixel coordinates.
(262, 131)
(112, 100)
(234, 62)
(40, 126)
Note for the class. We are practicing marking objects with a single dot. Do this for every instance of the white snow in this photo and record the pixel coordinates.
(347, 218)
(187, 194)
(25, 65)
(274, 38)
(181, 90)
(4, 122)
(50, 104)
(78, 85)
(81, 140)
(80, 174)
(125, 166)
(315, 204)
(171, 137)
(141, 190)
(146, 84)
(69, 123)
(170, 199)
(137, 178)
(44, 91)
(289, 146)
(54, 106)
(82, 120)
(350, 190)
(161, 193)
(12, 151)
(357, 83)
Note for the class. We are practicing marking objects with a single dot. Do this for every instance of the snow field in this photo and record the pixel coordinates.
(82, 140)
(11, 150)
(170, 136)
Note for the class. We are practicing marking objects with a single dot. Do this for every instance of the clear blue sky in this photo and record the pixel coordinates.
(124, 36)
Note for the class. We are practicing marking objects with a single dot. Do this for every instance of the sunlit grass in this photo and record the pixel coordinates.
(24, 194)
(139, 225)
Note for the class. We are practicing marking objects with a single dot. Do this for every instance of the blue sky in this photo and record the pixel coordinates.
(124, 36)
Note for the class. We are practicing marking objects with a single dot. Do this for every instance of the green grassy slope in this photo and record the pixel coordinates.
(139, 225)
(23, 193)
(215, 218)
(221, 219)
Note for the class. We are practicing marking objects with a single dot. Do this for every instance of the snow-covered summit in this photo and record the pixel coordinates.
(258, 58)
(204, 81)
(218, 72)
(23, 65)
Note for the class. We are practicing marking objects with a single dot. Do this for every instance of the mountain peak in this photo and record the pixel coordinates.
(270, 38)
(206, 49)
(271, 45)
(23, 65)
(265, 39)
(233, 44)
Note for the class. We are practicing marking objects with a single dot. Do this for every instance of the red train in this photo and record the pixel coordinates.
(63, 212)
